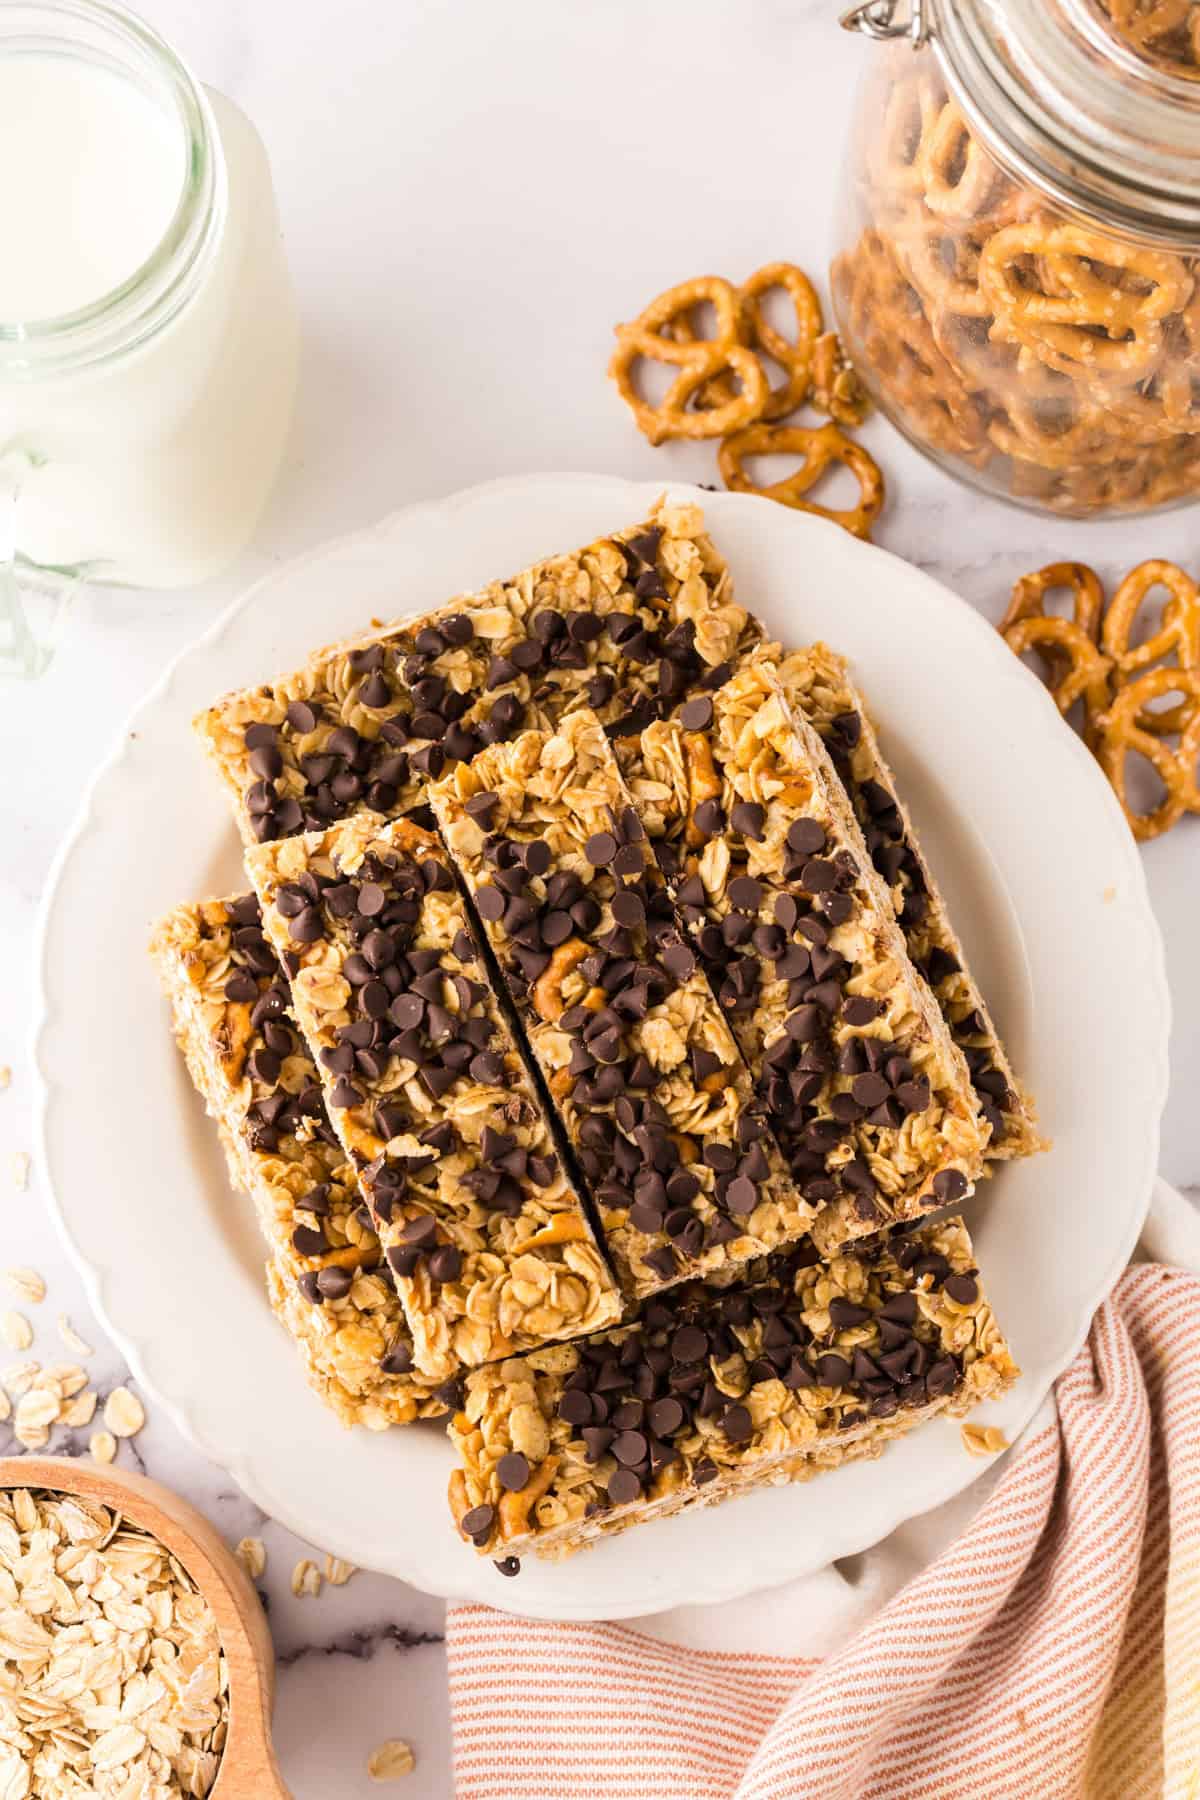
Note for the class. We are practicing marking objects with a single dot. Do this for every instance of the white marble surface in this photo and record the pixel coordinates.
(471, 195)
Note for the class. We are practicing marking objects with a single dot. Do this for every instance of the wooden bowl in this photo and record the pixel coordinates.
(248, 1770)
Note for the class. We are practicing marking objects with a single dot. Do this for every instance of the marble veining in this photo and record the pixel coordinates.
(471, 196)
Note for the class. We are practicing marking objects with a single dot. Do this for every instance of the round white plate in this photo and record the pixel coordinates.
(1042, 877)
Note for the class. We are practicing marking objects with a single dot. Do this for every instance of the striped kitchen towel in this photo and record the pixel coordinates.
(1051, 1652)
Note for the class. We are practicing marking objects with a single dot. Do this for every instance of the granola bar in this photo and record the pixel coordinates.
(486, 1237)
(325, 1278)
(817, 682)
(657, 1103)
(625, 625)
(709, 1395)
(866, 1091)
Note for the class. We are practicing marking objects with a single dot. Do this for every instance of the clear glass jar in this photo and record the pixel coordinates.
(141, 426)
(1018, 268)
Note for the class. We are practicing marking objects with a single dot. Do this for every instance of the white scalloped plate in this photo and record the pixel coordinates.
(1041, 874)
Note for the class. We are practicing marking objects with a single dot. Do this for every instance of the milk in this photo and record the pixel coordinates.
(150, 462)
(91, 171)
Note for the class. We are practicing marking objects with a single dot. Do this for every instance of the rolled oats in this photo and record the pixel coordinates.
(326, 1281)
(251, 1553)
(391, 1760)
(102, 1446)
(16, 1330)
(306, 1579)
(482, 1229)
(112, 1680)
(714, 1392)
(337, 1572)
(865, 1089)
(624, 625)
(655, 1097)
(983, 1440)
(71, 1338)
(27, 1285)
(124, 1413)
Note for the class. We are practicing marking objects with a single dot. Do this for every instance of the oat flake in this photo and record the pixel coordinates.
(252, 1554)
(391, 1760)
(71, 1338)
(27, 1284)
(16, 1330)
(102, 1446)
(124, 1413)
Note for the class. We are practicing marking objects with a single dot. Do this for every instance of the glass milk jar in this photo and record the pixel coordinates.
(148, 335)
(1018, 271)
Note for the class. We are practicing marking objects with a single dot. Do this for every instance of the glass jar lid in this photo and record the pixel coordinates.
(1066, 105)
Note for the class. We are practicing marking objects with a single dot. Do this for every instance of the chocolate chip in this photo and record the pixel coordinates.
(512, 1471)
(446, 1263)
(334, 1284)
(741, 1196)
(697, 715)
(628, 909)
(479, 1520)
(963, 1288)
(302, 717)
(508, 1565)
(689, 1344)
(624, 1487)
(666, 1416)
(575, 1407)
(738, 1425)
(708, 817)
(679, 962)
(491, 902)
(833, 1370)
(600, 848)
(806, 838)
(630, 1448)
(950, 1185)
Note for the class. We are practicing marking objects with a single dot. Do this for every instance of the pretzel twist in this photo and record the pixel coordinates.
(1080, 320)
(821, 448)
(664, 333)
(1123, 732)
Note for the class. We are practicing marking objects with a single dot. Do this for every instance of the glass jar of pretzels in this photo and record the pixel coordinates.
(1018, 269)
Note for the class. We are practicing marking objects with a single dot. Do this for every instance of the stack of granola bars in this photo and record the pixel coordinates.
(594, 1046)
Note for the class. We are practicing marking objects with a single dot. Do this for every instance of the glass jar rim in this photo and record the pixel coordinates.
(153, 293)
(1070, 109)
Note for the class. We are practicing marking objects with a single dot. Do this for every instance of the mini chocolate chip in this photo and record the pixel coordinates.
(575, 1407)
(963, 1288)
(741, 1196)
(480, 1519)
(950, 1185)
(334, 1284)
(600, 848)
(508, 1565)
(624, 1487)
(630, 1448)
(446, 1263)
(697, 715)
(806, 838)
(512, 1471)
(748, 817)
(302, 717)
(833, 1370)
(666, 1416)
(491, 902)
(737, 1425)
(708, 817)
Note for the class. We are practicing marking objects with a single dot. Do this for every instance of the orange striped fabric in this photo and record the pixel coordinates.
(1052, 1651)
